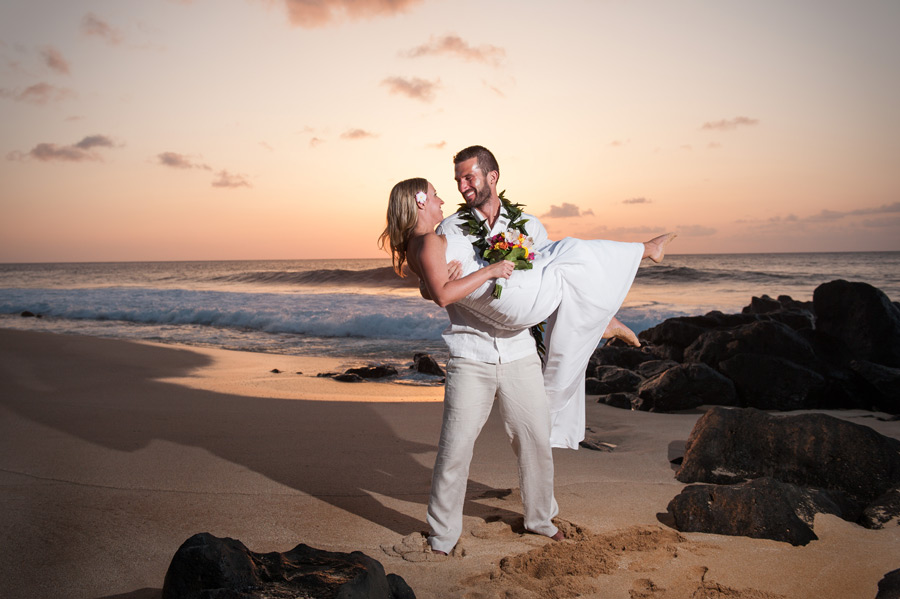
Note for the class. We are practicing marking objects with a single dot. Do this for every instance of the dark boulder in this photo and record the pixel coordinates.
(861, 316)
(885, 384)
(425, 364)
(762, 305)
(767, 337)
(650, 369)
(883, 511)
(889, 586)
(855, 464)
(624, 400)
(373, 372)
(348, 377)
(673, 335)
(763, 508)
(614, 379)
(773, 383)
(684, 387)
(624, 356)
(208, 567)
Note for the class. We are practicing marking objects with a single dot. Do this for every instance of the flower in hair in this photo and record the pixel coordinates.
(420, 198)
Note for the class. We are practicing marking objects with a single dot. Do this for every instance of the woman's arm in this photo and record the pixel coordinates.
(434, 273)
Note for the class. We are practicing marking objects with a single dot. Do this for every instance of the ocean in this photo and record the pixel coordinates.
(359, 309)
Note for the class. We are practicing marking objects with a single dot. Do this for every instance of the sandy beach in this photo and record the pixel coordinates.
(114, 453)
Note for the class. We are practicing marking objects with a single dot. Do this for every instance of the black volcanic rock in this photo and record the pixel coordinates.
(773, 383)
(855, 464)
(372, 372)
(685, 386)
(861, 316)
(425, 364)
(208, 567)
(763, 508)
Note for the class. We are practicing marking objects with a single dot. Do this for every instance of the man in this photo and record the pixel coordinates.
(485, 363)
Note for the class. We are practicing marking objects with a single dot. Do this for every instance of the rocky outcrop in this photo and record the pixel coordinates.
(841, 350)
(685, 386)
(425, 364)
(208, 567)
(809, 463)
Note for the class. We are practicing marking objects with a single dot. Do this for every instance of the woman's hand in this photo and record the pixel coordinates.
(502, 269)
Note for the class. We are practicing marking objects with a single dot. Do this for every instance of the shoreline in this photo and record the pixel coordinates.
(115, 452)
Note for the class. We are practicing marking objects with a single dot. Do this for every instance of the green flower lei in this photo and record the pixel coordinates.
(475, 227)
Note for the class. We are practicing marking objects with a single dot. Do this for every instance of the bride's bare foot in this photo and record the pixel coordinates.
(616, 330)
(655, 249)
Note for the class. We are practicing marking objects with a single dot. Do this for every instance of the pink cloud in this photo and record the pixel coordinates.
(230, 180)
(415, 88)
(94, 26)
(729, 124)
(453, 45)
(54, 59)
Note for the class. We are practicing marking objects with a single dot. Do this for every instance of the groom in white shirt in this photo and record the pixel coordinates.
(485, 363)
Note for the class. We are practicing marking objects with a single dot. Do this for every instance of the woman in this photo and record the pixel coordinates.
(575, 285)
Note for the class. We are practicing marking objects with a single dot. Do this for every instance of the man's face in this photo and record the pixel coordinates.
(472, 183)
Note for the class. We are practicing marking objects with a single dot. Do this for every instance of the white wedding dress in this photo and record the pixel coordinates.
(577, 286)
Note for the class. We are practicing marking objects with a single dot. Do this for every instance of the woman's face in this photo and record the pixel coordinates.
(433, 205)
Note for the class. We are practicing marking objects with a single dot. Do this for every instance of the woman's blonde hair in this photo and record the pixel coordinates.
(401, 219)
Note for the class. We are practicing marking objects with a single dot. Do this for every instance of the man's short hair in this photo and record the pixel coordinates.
(486, 160)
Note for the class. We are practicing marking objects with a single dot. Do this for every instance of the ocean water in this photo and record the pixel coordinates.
(359, 309)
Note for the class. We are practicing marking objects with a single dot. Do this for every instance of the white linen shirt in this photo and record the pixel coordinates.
(470, 337)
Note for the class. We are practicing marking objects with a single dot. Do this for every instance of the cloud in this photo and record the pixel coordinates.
(179, 161)
(618, 143)
(436, 146)
(415, 88)
(729, 124)
(39, 94)
(78, 152)
(318, 13)
(453, 45)
(636, 201)
(695, 231)
(825, 216)
(54, 59)
(879, 223)
(94, 26)
(315, 141)
(565, 211)
(230, 180)
(357, 134)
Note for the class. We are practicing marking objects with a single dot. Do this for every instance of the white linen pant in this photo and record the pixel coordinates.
(468, 396)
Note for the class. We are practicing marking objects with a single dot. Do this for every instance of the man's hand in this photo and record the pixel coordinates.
(454, 270)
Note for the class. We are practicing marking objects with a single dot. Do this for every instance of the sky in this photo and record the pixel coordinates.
(144, 130)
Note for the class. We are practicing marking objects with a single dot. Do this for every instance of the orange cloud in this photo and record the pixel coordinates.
(454, 45)
(94, 26)
(636, 201)
(318, 13)
(415, 88)
(729, 124)
(54, 59)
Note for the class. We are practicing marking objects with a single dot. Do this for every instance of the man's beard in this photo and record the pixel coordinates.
(481, 197)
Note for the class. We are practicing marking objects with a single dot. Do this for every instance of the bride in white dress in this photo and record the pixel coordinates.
(575, 285)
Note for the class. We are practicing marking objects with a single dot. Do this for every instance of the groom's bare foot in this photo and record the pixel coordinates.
(559, 536)
(616, 330)
(437, 552)
(655, 249)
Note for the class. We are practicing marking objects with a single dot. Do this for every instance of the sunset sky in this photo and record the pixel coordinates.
(267, 129)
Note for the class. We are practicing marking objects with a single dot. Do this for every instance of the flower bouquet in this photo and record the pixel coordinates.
(511, 245)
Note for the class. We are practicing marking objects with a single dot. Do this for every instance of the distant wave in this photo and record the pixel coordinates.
(373, 277)
(685, 274)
